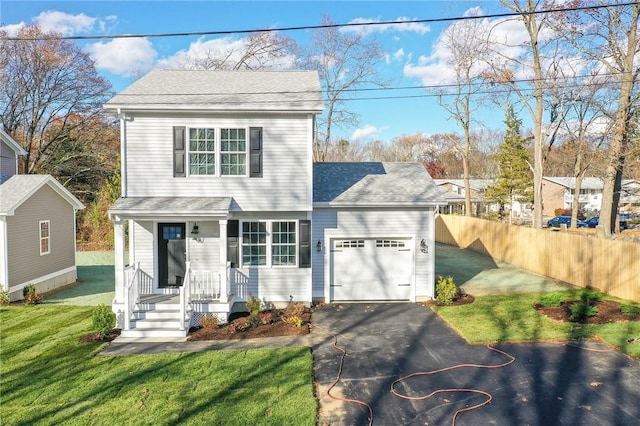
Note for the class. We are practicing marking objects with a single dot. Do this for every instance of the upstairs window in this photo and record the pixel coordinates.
(45, 237)
(202, 152)
(233, 149)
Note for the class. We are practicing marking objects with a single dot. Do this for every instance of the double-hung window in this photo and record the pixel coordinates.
(269, 243)
(202, 152)
(233, 150)
(218, 152)
(283, 243)
(45, 236)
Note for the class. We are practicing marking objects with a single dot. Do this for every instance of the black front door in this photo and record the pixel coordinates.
(171, 254)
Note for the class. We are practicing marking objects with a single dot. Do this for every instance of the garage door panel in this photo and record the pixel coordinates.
(371, 269)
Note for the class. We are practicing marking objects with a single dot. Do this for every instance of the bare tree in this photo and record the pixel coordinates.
(609, 36)
(345, 62)
(468, 52)
(50, 88)
(258, 51)
(537, 59)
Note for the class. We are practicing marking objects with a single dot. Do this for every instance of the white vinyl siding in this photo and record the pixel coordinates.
(286, 161)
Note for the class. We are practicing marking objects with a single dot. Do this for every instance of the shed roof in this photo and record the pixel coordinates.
(19, 188)
(214, 90)
(375, 184)
(19, 150)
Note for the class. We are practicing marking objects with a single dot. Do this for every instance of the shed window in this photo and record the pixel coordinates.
(45, 237)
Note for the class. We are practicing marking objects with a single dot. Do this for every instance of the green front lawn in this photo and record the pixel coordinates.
(512, 318)
(48, 377)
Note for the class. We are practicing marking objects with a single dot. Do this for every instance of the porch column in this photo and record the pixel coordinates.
(118, 246)
(224, 290)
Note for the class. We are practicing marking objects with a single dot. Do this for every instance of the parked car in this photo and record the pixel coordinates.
(624, 221)
(566, 220)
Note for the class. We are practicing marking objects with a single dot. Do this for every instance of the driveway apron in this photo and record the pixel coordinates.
(548, 384)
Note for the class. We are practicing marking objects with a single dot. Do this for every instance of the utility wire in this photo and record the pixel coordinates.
(324, 26)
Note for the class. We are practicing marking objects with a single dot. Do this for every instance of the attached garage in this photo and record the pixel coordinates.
(373, 232)
(371, 269)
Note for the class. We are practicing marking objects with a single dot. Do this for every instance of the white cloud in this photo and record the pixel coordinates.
(64, 23)
(364, 133)
(13, 29)
(123, 56)
(225, 47)
(399, 54)
(405, 26)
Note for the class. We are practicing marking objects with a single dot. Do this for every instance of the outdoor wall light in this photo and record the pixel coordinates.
(319, 246)
(195, 231)
(424, 248)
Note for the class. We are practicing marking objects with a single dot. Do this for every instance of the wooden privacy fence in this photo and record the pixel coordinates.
(612, 266)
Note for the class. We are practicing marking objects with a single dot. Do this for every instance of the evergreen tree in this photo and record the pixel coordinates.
(515, 180)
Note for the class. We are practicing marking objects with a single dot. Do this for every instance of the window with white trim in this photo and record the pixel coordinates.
(233, 151)
(202, 152)
(45, 237)
(283, 243)
(269, 243)
(218, 152)
(254, 243)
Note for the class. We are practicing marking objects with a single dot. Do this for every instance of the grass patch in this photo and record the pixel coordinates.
(511, 317)
(48, 377)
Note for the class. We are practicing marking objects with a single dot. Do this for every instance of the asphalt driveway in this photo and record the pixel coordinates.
(548, 384)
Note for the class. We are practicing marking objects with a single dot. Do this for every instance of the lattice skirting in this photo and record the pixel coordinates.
(197, 316)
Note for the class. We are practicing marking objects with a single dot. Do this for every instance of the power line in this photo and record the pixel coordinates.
(324, 26)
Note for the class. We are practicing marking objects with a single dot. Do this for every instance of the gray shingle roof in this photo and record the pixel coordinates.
(18, 188)
(374, 184)
(171, 206)
(223, 90)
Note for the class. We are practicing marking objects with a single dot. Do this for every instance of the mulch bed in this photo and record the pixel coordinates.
(608, 312)
(228, 331)
(462, 300)
(99, 338)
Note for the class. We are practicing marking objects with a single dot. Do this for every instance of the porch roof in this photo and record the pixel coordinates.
(162, 207)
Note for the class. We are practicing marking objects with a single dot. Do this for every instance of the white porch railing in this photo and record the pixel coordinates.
(205, 285)
(185, 295)
(137, 282)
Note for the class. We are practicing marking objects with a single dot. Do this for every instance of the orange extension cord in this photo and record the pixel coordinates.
(433, 372)
(441, 370)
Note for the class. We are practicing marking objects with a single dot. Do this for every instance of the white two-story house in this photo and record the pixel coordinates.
(221, 201)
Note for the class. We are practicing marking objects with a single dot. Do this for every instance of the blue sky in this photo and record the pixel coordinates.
(412, 50)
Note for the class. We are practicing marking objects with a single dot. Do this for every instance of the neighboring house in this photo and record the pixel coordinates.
(455, 194)
(557, 192)
(221, 201)
(37, 227)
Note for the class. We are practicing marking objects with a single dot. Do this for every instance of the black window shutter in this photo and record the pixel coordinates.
(179, 151)
(255, 152)
(233, 240)
(305, 244)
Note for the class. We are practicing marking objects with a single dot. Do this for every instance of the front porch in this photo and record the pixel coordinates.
(147, 312)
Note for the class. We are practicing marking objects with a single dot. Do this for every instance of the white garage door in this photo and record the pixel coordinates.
(371, 269)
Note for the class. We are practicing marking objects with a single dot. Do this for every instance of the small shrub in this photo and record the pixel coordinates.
(630, 309)
(266, 318)
(4, 298)
(589, 296)
(293, 309)
(294, 320)
(552, 299)
(253, 305)
(103, 319)
(209, 322)
(581, 311)
(31, 295)
(446, 290)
